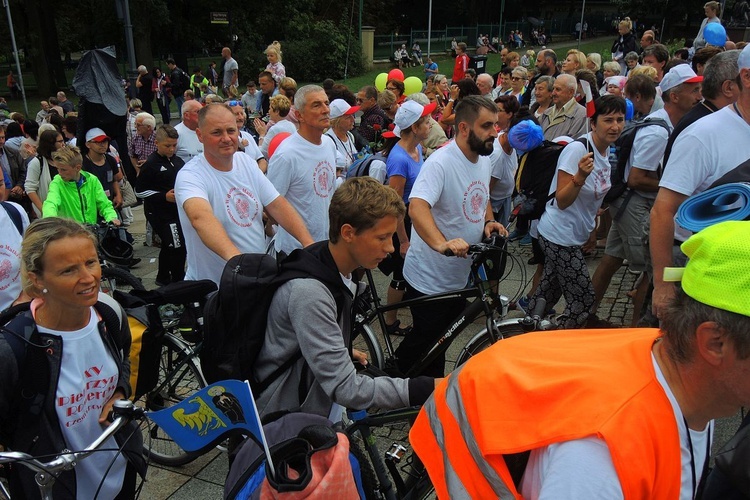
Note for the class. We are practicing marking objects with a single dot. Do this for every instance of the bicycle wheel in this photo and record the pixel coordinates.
(365, 340)
(116, 278)
(482, 340)
(179, 378)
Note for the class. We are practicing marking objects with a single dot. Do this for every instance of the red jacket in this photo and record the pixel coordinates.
(459, 70)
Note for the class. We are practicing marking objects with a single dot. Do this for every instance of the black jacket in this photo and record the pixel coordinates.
(157, 176)
(38, 433)
(626, 45)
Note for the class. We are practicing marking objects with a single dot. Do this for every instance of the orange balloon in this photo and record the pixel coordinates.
(277, 139)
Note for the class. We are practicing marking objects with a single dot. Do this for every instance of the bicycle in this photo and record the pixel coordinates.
(123, 412)
(180, 374)
(397, 474)
(115, 259)
(490, 255)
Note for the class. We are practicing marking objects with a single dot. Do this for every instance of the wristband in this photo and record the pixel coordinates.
(488, 221)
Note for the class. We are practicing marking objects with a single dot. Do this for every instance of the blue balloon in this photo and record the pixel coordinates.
(715, 34)
(629, 110)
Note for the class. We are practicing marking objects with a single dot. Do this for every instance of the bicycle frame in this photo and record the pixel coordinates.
(361, 422)
(486, 302)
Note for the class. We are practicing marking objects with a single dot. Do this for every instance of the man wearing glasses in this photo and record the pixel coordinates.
(144, 141)
(367, 100)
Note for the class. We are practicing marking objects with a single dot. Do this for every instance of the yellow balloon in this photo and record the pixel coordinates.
(412, 85)
(380, 81)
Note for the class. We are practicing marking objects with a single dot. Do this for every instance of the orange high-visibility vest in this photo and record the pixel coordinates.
(549, 387)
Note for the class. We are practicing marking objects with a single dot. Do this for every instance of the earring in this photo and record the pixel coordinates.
(44, 290)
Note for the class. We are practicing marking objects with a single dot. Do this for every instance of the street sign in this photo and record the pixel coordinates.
(219, 17)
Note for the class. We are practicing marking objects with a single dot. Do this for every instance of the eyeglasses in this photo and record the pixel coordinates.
(359, 100)
(234, 103)
(516, 78)
(59, 141)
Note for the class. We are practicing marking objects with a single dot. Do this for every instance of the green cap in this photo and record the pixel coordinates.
(718, 272)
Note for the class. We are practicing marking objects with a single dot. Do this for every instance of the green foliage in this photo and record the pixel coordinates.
(317, 49)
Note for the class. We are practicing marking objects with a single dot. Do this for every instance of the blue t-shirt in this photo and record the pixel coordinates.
(429, 66)
(400, 163)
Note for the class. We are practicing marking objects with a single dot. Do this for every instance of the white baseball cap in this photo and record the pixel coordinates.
(408, 114)
(682, 73)
(744, 60)
(96, 134)
(340, 107)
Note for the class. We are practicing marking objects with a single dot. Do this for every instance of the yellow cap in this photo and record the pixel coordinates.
(718, 270)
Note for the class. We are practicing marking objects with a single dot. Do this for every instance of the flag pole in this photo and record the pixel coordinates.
(266, 450)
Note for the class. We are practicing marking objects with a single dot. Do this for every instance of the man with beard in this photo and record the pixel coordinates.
(450, 209)
(546, 64)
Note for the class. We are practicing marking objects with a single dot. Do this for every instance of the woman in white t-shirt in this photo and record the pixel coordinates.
(86, 360)
(342, 122)
(580, 183)
(504, 161)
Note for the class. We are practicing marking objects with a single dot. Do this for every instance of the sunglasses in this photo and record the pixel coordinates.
(234, 103)
(516, 78)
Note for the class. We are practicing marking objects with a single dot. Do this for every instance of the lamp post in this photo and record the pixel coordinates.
(15, 55)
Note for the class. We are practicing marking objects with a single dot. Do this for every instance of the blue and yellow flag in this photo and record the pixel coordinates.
(204, 419)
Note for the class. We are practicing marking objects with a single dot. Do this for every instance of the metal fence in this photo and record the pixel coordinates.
(556, 29)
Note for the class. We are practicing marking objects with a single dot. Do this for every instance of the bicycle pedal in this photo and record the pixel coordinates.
(395, 453)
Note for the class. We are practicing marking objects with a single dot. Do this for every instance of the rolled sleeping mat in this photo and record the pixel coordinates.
(719, 204)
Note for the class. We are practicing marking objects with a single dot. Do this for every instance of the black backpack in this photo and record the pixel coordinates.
(235, 318)
(619, 160)
(536, 169)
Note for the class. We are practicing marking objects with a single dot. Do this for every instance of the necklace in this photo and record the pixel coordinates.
(694, 484)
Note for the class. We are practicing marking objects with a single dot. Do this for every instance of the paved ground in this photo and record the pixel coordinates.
(205, 477)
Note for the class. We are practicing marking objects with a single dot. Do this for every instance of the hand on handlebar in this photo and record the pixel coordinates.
(455, 247)
(495, 227)
(104, 417)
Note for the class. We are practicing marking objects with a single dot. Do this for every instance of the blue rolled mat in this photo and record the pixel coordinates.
(718, 204)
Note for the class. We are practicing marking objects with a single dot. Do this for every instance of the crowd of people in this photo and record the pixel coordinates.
(265, 172)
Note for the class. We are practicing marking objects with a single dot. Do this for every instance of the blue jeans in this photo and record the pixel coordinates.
(179, 100)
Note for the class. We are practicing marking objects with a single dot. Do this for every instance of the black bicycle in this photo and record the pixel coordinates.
(489, 262)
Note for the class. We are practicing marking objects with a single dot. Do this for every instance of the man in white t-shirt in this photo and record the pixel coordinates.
(221, 195)
(605, 414)
(303, 168)
(450, 209)
(681, 90)
(247, 142)
(230, 74)
(701, 154)
(188, 145)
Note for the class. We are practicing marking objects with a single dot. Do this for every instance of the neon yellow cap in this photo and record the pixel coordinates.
(718, 272)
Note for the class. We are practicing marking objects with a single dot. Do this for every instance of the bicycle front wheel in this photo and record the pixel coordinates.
(115, 278)
(483, 340)
(179, 378)
(365, 340)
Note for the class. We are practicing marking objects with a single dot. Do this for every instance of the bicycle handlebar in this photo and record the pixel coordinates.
(123, 412)
(492, 242)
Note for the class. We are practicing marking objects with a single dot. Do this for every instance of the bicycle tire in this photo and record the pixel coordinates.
(365, 340)
(183, 381)
(370, 484)
(482, 341)
(116, 278)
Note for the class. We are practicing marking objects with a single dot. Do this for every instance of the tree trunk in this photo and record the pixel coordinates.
(44, 48)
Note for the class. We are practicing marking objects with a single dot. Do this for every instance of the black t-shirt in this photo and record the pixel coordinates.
(105, 173)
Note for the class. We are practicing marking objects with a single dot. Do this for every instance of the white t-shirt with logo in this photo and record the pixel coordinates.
(10, 256)
(305, 174)
(88, 379)
(237, 197)
(572, 226)
(188, 145)
(279, 127)
(458, 192)
(504, 168)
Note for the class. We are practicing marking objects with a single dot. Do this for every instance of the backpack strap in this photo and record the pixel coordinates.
(583, 141)
(14, 215)
(33, 368)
